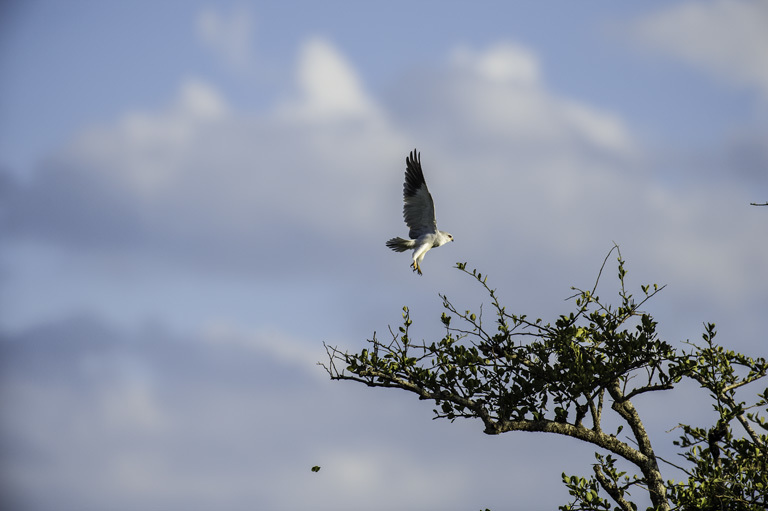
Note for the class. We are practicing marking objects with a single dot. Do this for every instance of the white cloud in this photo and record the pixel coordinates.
(506, 63)
(728, 38)
(496, 97)
(132, 405)
(329, 87)
(231, 37)
(599, 129)
(199, 100)
(272, 341)
(143, 152)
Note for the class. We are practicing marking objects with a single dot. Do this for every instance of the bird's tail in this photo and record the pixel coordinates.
(400, 245)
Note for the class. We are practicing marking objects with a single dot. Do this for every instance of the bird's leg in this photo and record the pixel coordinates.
(416, 267)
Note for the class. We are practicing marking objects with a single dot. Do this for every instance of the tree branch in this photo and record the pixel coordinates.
(612, 489)
(597, 411)
(649, 466)
(647, 388)
(374, 378)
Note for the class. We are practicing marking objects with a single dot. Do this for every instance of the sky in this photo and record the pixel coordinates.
(194, 196)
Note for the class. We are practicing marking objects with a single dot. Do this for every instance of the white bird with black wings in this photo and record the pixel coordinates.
(419, 215)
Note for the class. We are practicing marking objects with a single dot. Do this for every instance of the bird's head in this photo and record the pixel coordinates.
(445, 237)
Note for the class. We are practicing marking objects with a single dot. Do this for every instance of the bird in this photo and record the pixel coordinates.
(419, 215)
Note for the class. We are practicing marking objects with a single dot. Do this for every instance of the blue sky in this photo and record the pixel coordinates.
(195, 195)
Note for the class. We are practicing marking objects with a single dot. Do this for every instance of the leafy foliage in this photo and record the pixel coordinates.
(517, 374)
(728, 471)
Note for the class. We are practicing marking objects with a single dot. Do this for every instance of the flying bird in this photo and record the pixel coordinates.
(419, 215)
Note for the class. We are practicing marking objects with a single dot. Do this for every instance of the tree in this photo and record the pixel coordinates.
(517, 374)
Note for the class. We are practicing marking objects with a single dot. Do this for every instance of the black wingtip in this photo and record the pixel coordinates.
(414, 176)
(413, 158)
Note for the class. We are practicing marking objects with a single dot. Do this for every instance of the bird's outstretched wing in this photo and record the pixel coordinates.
(419, 209)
